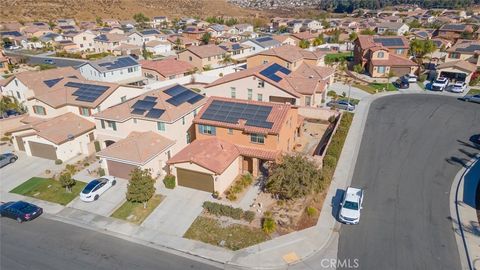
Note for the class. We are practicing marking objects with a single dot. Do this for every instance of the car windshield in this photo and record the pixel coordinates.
(24, 207)
(351, 205)
(90, 186)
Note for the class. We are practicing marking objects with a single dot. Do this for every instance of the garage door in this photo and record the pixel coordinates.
(43, 150)
(196, 180)
(119, 169)
(400, 71)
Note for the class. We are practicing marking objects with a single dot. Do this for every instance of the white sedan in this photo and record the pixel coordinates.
(97, 187)
(411, 78)
(351, 206)
(459, 87)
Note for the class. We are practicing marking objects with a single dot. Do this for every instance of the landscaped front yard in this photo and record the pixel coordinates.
(134, 212)
(48, 189)
(218, 233)
(474, 91)
(374, 88)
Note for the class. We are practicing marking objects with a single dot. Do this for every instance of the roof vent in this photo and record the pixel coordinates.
(70, 137)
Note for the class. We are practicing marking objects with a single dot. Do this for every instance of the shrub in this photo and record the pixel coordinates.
(249, 216)
(269, 225)
(58, 161)
(231, 196)
(47, 171)
(238, 186)
(332, 93)
(221, 74)
(67, 181)
(71, 168)
(101, 171)
(86, 164)
(218, 209)
(215, 194)
(422, 78)
(329, 161)
(169, 181)
(311, 211)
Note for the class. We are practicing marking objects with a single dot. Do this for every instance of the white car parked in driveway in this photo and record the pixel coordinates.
(440, 84)
(351, 206)
(411, 78)
(459, 87)
(97, 187)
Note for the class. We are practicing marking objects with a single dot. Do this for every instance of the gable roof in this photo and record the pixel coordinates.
(265, 41)
(458, 64)
(167, 67)
(466, 47)
(206, 50)
(390, 42)
(111, 63)
(292, 53)
(137, 147)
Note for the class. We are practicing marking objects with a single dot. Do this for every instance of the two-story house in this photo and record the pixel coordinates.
(453, 31)
(289, 56)
(122, 69)
(140, 37)
(306, 86)
(234, 137)
(397, 28)
(236, 50)
(84, 41)
(379, 55)
(108, 42)
(147, 130)
(210, 56)
(461, 61)
(262, 43)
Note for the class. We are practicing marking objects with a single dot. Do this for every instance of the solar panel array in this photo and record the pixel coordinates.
(470, 48)
(150, 32)
(231, 112)
(147, 105)
(11, 33)
(389, 41)
(180, 95)
(87, 92)
(263, 39)
(52, 82)
(120, 62)
(457, 27)
(270, 72)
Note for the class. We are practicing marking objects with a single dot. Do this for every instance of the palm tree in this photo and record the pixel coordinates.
(227, 59)
(178, 44)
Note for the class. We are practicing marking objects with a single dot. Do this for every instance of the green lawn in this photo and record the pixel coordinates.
(337, 57)
(134, 212)
(474, 91)
(236, 236)
(381, 86)
(365, 88)
(48, 190)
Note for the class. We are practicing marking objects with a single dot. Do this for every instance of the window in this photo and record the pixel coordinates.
(102, 123)
(84, 111)
(259, 97)
(84, 38)
(265, 61)
(230, 131)
(194, 112)
(288, 65)
(188, 137)
(134, 120)
(381, 69)
(261, 84)
(16, 83)
(170, 77)
(39, 110)
(18, 95)
(123, 99)
(183, 120)
(257, 138)
(204, 129)
(250, 94)
(380, 54)
(308, 101)
(454, 55)
(233, 92)
(399, 51)
(161, 126)
(209, 58)
(190, 58)
(112, 125)
(130, 70)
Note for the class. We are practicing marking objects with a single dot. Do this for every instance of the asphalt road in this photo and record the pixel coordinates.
(37, 60)
(412, 148)
(46, 244)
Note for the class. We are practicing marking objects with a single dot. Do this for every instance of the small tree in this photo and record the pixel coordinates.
(141, 19)
(358, 68)
(294, 177)
(67, 181)
(319, 40)
(140, 187)
(206, 38)
(227, 59)
(269, 225)
(304, 44)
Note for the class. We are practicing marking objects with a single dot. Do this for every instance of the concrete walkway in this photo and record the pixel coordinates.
(355, 93)
(464, 215)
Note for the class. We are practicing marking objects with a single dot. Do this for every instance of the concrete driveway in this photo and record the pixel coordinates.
(108, 201)
(177, 211)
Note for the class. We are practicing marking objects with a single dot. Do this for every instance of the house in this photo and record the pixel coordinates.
(288, 56)
(157, 124)
(294, 26)
(108, 42)
(203, 56)
(456, 71)
(16, 38)
(453, 31)
(306, 86)
(50, 38)
(234, 137)
(109, 30)
(397, 28)
(65, 22)
(3, 63)
(167, 69)
(158, 47)
(122, 69)
(140, 37)
(285, 39)
(244, 27)
(262, 43)
(84, 41)
(393, 19)
(180, 42)
(66, 45)
(236, 50)
(193, 32)
(127, 49)
(467, 50)
(62, 137)
(304, 36)
(159, 21)
(379, 55)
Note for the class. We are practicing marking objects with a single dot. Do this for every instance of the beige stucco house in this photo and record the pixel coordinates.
(203, 56)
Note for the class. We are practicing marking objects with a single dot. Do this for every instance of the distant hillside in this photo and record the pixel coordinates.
(350, 5)
(28, 10)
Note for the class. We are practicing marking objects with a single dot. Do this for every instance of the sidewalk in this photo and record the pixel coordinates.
(464, 215)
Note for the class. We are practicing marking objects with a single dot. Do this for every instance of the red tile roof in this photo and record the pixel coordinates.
(167, 67)
(394, 60)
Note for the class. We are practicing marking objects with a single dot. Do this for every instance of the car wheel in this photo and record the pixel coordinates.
(12, 160)
(19, 220)
(96, 197)
(114, 182)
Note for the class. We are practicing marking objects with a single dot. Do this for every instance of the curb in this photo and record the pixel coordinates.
(454, 211)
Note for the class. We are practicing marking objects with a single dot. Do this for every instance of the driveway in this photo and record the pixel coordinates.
(177, 211)
(412, 148)
(108, 201)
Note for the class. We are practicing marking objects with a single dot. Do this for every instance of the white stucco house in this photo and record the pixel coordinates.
(122, 69)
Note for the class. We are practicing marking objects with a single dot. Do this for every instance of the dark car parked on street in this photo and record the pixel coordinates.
(20, 211)
(401, 84)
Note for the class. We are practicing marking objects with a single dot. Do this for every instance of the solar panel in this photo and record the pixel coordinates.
(195, 99)
(150, 98)
(175, 90)
(52, 82)
(144, 105)
(263, 39)
(180, 95)
(155, 113)
(138, 111)
(119, 63)
(270, 71)
(231, 112)
(87, 92)
(389, 41)
(470, 48)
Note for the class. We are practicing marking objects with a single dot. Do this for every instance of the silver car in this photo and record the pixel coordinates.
(341, 104)
(7, 158)
(472, 98)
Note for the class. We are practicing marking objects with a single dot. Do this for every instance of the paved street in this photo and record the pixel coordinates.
(37, 60)
(45, 244)
(412, 148)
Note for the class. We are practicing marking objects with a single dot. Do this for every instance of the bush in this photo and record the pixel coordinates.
(311, 211)
(218, 209)
(329, 161)
(58, 161)
(101, 171)
(86, 164)
(332, 119)
(231, 196)
(215, 194)
(249, 216)
(422, 78)
(67, 181)
(269, 226)
(71, 168)
(238, 186)
(332, 93)
(169, 181)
